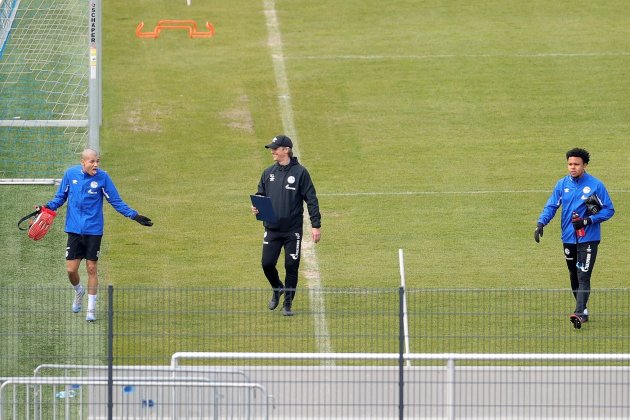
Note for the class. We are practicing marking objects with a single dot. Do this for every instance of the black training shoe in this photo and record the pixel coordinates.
(286, 309)
(275, 299)
(577, 320)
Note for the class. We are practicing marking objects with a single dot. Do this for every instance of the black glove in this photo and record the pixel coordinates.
(580, 223)
(538, 233)
(593, 205)
(143, 220)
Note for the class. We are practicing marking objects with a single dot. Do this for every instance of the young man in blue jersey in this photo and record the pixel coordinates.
(84, 186)
(585, 205)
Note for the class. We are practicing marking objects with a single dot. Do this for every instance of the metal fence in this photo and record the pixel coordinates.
(346, 353)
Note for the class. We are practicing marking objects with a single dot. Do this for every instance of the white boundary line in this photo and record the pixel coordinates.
(377, 57)
(309, 255)
(478, 192)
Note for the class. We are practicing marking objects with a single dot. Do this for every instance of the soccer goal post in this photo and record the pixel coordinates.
(50, 86)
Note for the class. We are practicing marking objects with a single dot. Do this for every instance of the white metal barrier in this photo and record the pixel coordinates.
(433, 385)
(503, 388)
(66, 397)
(210, 373)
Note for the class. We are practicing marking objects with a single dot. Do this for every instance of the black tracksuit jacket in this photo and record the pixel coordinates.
(288, 187)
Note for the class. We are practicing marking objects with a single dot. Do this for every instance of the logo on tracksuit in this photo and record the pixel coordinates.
(297, 247)
(93, 186)
(587, 264)
(290, 180)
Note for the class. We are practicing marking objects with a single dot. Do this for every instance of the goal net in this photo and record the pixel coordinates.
(47, 67)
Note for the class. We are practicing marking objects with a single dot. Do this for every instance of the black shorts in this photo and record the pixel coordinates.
(83, 246)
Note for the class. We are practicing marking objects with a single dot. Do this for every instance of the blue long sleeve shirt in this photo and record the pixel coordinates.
(84, 194)
(571, 193)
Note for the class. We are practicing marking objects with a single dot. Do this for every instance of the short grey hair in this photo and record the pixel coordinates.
(88, 152)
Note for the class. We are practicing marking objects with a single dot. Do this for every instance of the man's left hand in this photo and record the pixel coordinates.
(317, 234)
(143, 220)
(580, 223)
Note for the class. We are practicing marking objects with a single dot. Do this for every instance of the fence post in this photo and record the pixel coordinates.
(404, 303)
(450, 388)
(401, 357)
(110, 352)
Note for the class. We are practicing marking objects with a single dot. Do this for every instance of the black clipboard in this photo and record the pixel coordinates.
(265, 209)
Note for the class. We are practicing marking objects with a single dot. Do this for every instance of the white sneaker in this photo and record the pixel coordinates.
(91, 316)
(78, 300)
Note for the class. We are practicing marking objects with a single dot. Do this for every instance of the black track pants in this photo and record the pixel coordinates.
(580, 262)
(273, 242)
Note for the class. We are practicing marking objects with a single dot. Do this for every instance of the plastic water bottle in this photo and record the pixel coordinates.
(580, 232)
(64, 394)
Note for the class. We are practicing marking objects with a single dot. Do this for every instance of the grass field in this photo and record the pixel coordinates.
(437, 101)
(438, 128)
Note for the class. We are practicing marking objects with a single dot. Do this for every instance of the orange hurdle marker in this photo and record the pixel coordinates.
(188, 25)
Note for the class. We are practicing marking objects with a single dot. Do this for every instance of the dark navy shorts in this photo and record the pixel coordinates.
(83, 247)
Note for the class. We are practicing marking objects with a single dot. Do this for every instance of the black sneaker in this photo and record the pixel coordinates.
(275, 299)
(286, 309)
(577, 320)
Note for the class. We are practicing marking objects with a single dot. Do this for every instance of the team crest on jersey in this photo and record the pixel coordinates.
(93, 184)
(290, 180)
(586, 190)
(272, 177)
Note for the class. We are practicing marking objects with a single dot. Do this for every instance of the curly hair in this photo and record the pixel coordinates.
(581, 153)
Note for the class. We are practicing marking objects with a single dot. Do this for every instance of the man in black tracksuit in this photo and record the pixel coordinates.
(288, 185)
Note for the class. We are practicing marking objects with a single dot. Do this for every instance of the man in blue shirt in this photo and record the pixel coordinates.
(84, 186)
(585, 205)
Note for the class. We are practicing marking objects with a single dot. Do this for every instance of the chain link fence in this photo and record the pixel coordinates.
(346, 353)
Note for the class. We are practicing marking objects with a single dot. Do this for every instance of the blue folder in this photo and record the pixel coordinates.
(265, 209)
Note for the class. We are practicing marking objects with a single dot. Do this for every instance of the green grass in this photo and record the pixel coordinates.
(465, 123)
(438, 128)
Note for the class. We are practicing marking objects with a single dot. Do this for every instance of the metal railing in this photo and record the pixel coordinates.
(415, 353)
(467, 391)
(39, 398)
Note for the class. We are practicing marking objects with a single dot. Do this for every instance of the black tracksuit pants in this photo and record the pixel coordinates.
(580, 262)
(273, 242)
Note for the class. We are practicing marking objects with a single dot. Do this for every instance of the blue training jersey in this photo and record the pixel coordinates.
(571, 193)
(85, 193)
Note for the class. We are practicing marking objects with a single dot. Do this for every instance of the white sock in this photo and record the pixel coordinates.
(91, 303)
(77, 287)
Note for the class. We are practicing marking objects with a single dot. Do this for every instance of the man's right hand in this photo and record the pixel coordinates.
(538, 233)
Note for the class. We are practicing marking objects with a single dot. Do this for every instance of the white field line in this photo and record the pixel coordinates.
(377, 57)
(309, 256)
(474, 192)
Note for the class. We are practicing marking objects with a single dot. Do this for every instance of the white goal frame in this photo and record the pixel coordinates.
(9, 9)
